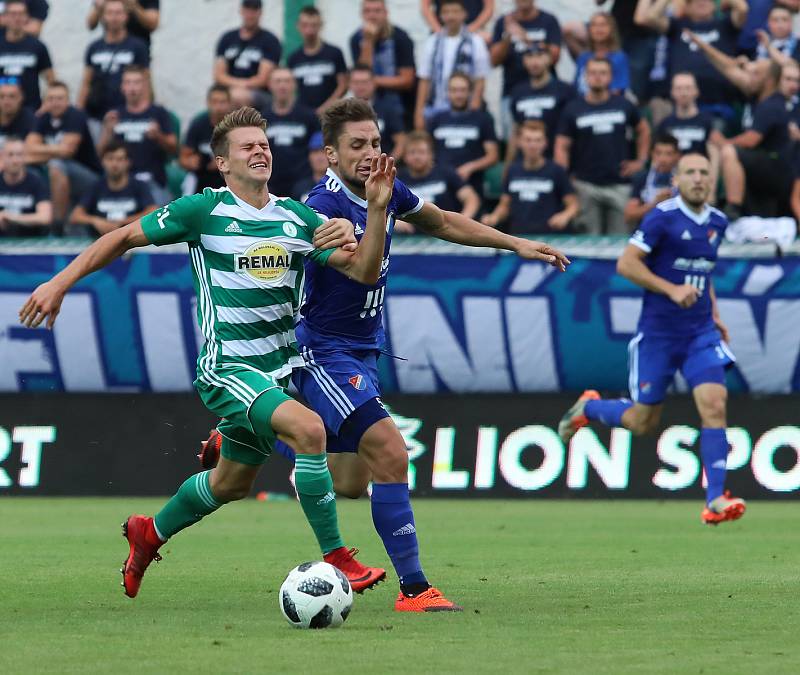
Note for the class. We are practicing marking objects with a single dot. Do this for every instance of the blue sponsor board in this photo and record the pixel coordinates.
(458, 320)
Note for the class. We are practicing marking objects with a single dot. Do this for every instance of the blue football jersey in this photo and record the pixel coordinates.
(681, 247)
(337, 312)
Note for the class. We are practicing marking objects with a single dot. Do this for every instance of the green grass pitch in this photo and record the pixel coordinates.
(548, 587)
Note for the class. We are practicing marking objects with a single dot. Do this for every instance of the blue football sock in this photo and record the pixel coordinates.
(282, 449)
(609, 412)
(394, 522)
(714, 452)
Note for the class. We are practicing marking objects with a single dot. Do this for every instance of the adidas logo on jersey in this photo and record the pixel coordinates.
(359, 229)
(408, 528)
(686, 235)
(234, 227)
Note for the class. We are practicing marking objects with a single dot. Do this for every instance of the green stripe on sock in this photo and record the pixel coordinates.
(315, 491)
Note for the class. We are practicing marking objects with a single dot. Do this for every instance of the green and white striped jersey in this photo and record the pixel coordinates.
(248, 275)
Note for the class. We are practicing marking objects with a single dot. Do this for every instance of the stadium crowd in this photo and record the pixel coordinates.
(653, 79)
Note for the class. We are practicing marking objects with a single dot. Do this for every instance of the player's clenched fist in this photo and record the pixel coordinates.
(44, 303)
(380, 183)
(684, 295)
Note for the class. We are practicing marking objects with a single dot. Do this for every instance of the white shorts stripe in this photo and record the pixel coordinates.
(633, 366)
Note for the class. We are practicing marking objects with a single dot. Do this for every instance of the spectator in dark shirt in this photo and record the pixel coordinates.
(146, 128)
(246, 57)
(538, 197)
(15, 119)
(143, 17)
(654, 184)
(437, 184)
(693, 129)
(116, 199)
(61, 142)
(389, 51)
(390, 118)
(105, 60)
(541, 97)
(479, 13)
(593, 144)
(318, 161)
(759, 158)
(22, 55)
(317, 66)
(290, 126)
(195, 155)
(25, 209)
(513, 34)
(699, 17)
(37, 13)
(464, 138)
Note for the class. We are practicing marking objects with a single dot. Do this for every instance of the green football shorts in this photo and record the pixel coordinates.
(246, 399)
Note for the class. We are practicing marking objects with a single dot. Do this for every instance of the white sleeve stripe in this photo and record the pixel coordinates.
(419, 205)
(640, 244)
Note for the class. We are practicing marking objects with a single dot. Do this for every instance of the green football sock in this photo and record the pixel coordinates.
(191, 503)
(315, 489)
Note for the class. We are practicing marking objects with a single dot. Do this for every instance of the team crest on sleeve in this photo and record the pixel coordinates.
(358, 382)
(264, 261)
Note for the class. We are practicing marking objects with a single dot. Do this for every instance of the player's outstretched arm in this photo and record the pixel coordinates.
(364, 264)
(45, 302)
(631, 265)
(454, 227)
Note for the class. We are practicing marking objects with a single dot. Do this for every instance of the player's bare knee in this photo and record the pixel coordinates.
(309, 436)
(712, 411)
(393, 464)
(231, 490)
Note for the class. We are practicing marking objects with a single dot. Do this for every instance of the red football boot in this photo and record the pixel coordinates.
(574, 419)
(722, 509)
(360, 576)
(431, 600)
(144, 542)
(209, 450)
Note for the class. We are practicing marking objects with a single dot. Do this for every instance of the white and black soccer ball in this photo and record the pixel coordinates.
(315, 595)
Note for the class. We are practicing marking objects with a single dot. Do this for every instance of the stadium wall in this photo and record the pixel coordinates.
(459, 320)
(478, 446)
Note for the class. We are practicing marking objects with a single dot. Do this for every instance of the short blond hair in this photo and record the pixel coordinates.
(236, 119)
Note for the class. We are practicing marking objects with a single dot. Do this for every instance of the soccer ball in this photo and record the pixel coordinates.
(315, 595)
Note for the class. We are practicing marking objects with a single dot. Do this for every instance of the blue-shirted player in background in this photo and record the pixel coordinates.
(672, 256)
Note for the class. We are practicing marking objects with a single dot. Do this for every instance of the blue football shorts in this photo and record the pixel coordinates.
(654, 359)
(342, 388)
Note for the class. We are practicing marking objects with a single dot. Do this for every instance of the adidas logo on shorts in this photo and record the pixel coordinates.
(408, 528)
(234, 227)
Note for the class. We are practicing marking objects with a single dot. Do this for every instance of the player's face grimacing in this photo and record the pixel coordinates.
(249, 158)
(693, 180)
(358, 143)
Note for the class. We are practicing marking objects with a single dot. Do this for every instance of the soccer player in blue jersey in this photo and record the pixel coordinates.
(341, 334)
(672, 256)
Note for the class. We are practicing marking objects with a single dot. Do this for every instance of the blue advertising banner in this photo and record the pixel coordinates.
(458, 320)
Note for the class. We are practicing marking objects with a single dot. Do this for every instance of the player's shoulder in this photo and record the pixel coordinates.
(667, 208)
(717, 217)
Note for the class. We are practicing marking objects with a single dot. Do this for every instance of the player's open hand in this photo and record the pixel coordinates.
(537, 250)
(336, 233)
(380, 183)
(44, 303)
(684, 295)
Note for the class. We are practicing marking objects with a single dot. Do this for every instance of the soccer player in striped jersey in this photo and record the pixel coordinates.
(248, 250)
(672, 256)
